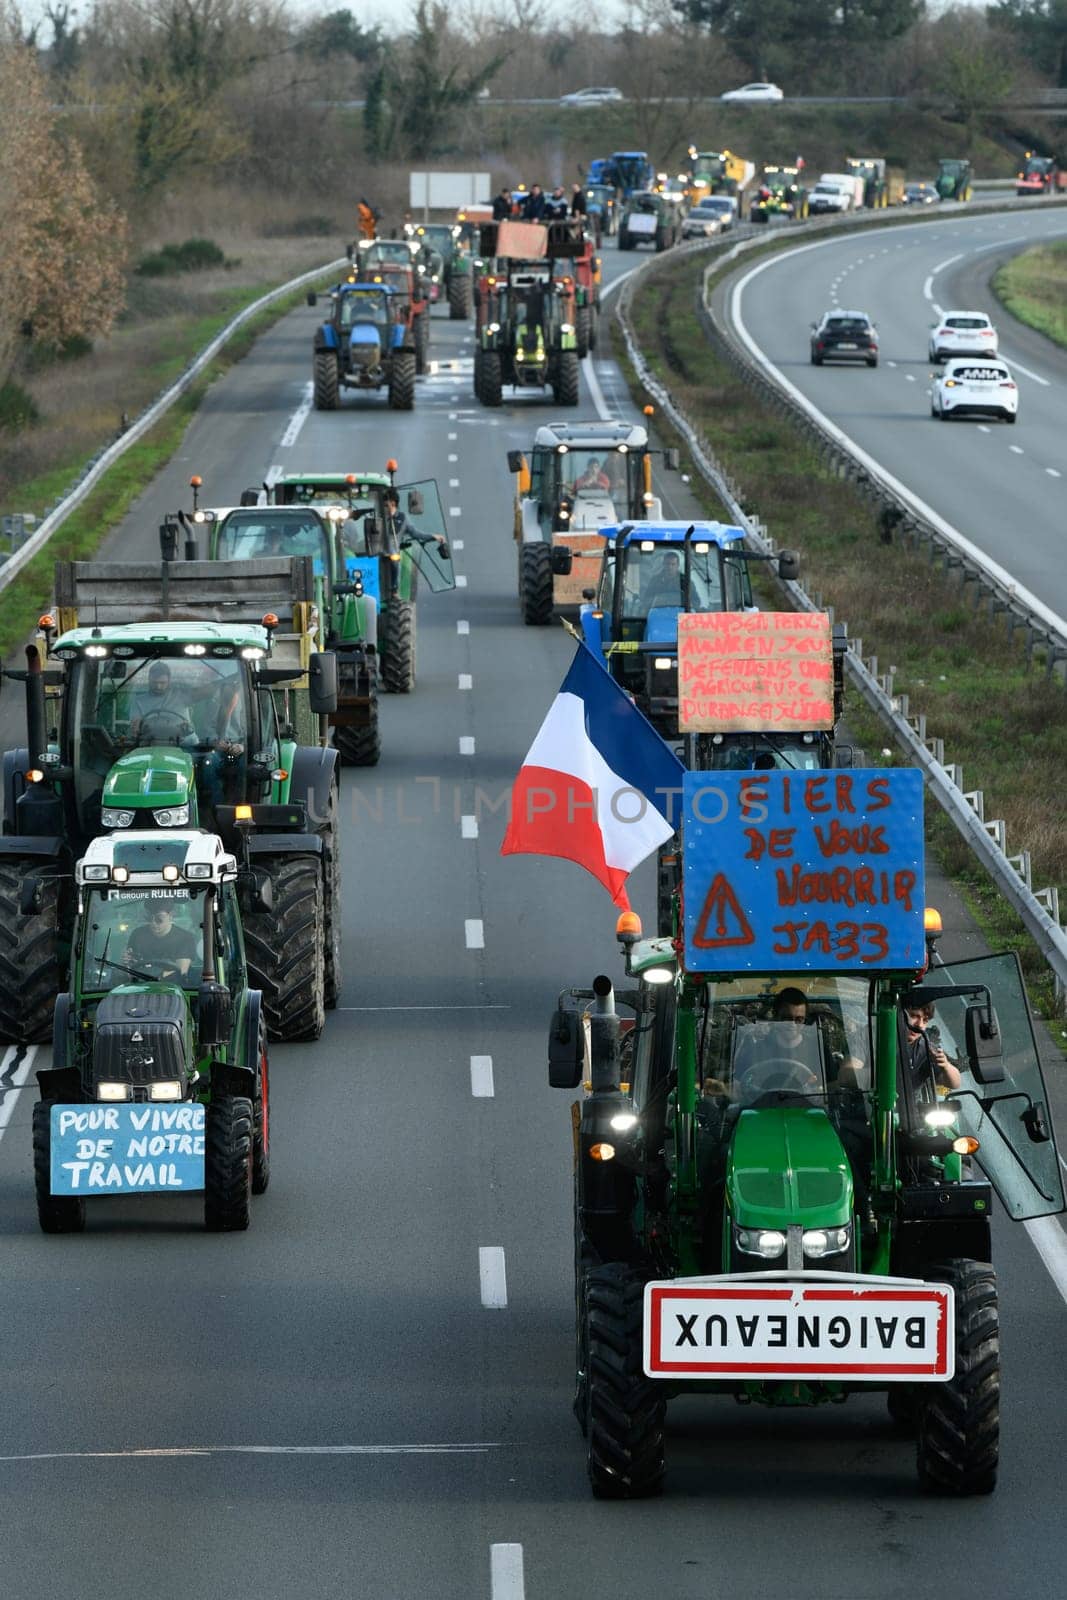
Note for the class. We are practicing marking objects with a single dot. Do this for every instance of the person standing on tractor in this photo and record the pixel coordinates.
(533, 207)
(556, 205)
(579, 207)
(927, 1061)
(502, 205)
(401, 529)
(367, 218)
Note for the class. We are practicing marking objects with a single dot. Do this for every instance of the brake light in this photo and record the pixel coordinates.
(987, 333)
(1007, 386)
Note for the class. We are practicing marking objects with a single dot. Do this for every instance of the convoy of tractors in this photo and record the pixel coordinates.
(782, 1188)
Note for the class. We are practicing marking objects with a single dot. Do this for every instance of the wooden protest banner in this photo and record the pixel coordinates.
(755, 672)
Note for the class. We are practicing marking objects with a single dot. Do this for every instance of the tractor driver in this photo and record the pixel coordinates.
(160, 949)
(665, 586)
(403, 529)
(776, 1054)
(594, 477)
(160, 711)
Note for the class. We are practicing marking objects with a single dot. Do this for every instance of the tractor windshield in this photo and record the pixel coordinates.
(595, 474)
(363, 305)
(762, 1039)
(145, 935)
(653, 576)
(631, 171)
(250, 535)
(386, 251)
(710, 167)
(439, 235)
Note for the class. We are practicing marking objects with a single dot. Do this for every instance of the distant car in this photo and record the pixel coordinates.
(754, 92)
(974, 388)
(920, 194)
(844, 336)
(962, 333)
(591, 97)
(713, 214)
(829, 197)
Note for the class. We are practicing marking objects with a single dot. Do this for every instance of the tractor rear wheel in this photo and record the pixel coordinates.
(228, 1163)
(959, 1421)
(565, 384)
(30, 972)
(459, 297)
(402, 381)
(285, 947)
(57, 1213)
(625, 1410)
(422, 340)
(478, 375)
(582, 319)
(492, 383)
(398, 648)
(326, 381)
(535, 584)
(261, 1120)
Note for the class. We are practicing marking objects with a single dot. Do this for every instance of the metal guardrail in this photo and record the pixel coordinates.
(1037, 909)
(99, 464)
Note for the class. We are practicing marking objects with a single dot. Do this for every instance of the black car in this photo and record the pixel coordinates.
(844, 336)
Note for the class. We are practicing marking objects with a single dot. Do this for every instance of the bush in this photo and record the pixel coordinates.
(17, 409)
(300, 228)
(195, 255)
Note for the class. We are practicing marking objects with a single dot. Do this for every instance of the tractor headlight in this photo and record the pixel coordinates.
(252, 652)
(663, 663)
(819, 1242)
(112, 1091)
(198, 869)
(172, 817)
(566, 327)
(166, 1089)
(939, 1117)
(96, 652)
(765, 1242)
(493, 327)
(112, 818)
(97, 873)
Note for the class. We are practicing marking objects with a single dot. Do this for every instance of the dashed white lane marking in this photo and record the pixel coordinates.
(452, 435)
(273, 474)
(10, 1090)
(1053, 473)
(466, 744)
(455, 511)
(505, 1572)
(463, 626)
(453, 456)
(1017, 366)
(452, 415)
(297, 420)
(890, 363)
(493, 1277)
(461, 582)
(982, 428)
(466, 681)
(474, 933)
(468, 827)
(457, 544)
(909, 377)
(453, 483)
(167, 1452)
(1016, 449)
(482, 1077)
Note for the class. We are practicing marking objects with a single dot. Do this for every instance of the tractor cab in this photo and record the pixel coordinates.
(953, 181)
(632, 170)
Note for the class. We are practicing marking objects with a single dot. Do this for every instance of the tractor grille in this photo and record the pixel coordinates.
(762, 1190)
(140, 1038)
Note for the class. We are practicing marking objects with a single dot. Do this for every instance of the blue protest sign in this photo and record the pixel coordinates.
(127, 1149)
(803, 871)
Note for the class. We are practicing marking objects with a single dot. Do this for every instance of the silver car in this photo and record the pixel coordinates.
(713, 214)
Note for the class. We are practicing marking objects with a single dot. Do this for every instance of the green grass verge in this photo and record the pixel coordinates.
(1004, 722)
(1033, 287)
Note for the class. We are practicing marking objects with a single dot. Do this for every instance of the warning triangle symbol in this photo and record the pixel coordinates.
(722, 922)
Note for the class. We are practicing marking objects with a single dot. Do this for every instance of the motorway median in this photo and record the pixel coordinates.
(1032, 286)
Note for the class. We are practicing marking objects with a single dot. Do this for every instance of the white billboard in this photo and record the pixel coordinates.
(448, 191)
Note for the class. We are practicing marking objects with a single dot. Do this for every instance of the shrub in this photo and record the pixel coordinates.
(194, 255)
(17, 409)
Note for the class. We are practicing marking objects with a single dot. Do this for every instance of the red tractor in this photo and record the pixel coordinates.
(1040, 175)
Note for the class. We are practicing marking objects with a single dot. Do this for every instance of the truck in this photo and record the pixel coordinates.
(167, 695)
(366, 343)
(577, 478)
(851, 184)
(953, 181)
(784, 1169)
(158, 1081)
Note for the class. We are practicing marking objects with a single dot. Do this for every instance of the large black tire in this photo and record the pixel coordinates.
(422, 341)
(360, 747)
(594, 326)
(583, 318)
(398, 648)
(478, 359)
(30, 971)
(261, 1121)
(285, 948)
(565, 384)
(402, 381)
(625, 1409)
(535, 584)
(327, 381)
(459, 297)
(662, 240)
(625, 242)
(492, 382)
(959, 1422)
(331, 844)
(228, 1163)
(56, 1213)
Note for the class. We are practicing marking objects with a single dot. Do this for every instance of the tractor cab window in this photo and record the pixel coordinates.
(762, 1041)
(653, 576)
(763, 753)
(387, 252)
(594, 474)
(254, 534)
(142, 936)
(363, 305)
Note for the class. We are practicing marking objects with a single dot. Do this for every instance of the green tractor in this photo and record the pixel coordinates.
(383, 555)
(953, 181)
(158, 1082)
(785, 1167)
(169, 709)
(650, 216)
(780, 196)
(872, 169)
(446, 263)
(526, 312)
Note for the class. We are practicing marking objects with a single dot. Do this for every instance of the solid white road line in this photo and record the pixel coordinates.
(1017, 366)
(482, 1077)
(297, 420)
(596, 393)
(474, 933)
(167, 1453)
(466, 681)
(493, 1277)
(463, 626)
(468, 827)
(505, 1572)
(466, 744)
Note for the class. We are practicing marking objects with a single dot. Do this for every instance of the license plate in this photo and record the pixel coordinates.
(760, 1326)
(845, 346)
(127, 1149)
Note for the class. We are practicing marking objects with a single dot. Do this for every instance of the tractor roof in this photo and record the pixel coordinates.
(590, 436)
(161, 859)
(163, 639)
(720, 533)
(361, 283)
(338, 480)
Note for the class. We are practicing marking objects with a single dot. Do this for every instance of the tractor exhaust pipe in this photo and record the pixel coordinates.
(603, 1037)
(36, 729)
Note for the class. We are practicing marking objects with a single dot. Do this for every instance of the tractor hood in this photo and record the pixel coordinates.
(592, 510)
(786, 1166)
(364, 335)
(151, 779)
(142, 1036)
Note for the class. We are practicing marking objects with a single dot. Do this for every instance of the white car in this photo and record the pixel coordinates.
(591, 97)
(974, 388)
(962, 333)
(713, 214)
(754, 92)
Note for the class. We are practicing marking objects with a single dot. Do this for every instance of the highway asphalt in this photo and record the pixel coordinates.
(369, 1393)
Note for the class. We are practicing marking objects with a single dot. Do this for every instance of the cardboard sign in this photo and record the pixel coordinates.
(803, 871)
(755, 672)
(859, 1327)
(127, 1149)
(641, 222)
(527, 241)
(587, 551)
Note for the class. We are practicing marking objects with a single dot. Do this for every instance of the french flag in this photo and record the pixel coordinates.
(598, 786)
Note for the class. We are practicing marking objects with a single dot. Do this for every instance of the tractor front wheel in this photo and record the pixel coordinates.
(535, 584)
(625, 1410)
(402, 381)
(459, 297)
(57, 1213)
(261, 1120)
(285, 947)
(228, 1163)
(327, 383)
(959, 1421)
(565, 383)
(582, 321)
(398, 647)
(492, 380)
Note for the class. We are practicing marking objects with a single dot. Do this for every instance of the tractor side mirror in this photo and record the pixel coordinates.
(561, 561)
(589, 594)
(788, 565)
(322, 682)
(566, 1046)
(672, 459)
(250, 497)
(312, 298)
(255, 891)
(214, 1014)
(168, 540)
(415, 504)
(985, 1048)
(516, 460)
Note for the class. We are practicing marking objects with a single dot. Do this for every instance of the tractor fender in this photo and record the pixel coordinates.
(15, 764)
(326, 337)
(312, 776)
(45, 845)
(283, 844)
(399, 337)
(228, 1078)
(61, 1084)
(532, 532)
(253, 1013)
(60, 1025)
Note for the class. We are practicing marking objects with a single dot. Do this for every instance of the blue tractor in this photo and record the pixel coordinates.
(650, 573)
(368, 342)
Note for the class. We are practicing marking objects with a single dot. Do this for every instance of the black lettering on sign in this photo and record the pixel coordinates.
(685, 1324)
